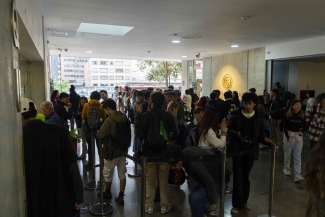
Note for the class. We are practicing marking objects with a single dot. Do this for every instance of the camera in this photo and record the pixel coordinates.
(197, 55)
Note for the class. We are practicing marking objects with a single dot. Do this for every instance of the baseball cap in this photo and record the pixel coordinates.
(27, 105)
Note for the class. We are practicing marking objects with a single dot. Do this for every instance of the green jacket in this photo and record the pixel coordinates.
(107, 133)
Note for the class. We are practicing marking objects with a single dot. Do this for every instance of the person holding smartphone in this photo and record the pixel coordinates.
(294, 126)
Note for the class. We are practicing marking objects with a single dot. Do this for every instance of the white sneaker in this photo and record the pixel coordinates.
(247, 207)
(286, 172)
(234, 210)
(166, 209)
(149, 210)
(298, 178)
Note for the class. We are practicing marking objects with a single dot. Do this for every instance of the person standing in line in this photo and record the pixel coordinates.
(74, 100)
(81, 128)
(198, 115)
(50, 116)
(294, 127)
(235, 97)
(277, 115)
(195, 98)
(315, 175)
(311, 101)
(245, 132)
(63, 107)
(55, 97)
(103, 95)
(187, 98)
(316, 120)
(53, 183)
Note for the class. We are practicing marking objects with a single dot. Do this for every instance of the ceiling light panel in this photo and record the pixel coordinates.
(104, 29)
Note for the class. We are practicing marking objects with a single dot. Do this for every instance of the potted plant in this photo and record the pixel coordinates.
(75, 138)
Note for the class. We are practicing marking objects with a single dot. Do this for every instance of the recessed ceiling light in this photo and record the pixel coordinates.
(88, 51)
(184, 56)
(235, 45)
(176, 41)
(104, 29)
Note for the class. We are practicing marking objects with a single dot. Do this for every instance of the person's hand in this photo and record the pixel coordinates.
(77, 206)
(240, 136)
(267, 140)
(138, 109)
(212, 207)
(69, 105)
(223, 126)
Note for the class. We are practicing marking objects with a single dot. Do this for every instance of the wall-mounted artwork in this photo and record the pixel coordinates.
(227, 82)
(14, 24)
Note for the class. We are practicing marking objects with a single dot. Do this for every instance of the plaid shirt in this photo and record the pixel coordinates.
(317, 123)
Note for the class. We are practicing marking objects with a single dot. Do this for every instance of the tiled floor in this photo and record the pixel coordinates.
(290, 199)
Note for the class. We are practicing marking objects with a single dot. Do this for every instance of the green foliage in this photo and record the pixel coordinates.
(64, 86)
(74, 136)
(160, 70)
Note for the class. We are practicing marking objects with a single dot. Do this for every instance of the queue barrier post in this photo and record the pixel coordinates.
(143, 187)
(135, 172)
(223, 182)
(101, 209)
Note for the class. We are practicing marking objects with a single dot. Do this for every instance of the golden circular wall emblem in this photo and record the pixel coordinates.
(227, 82)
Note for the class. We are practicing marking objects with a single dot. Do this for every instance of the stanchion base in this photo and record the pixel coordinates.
(97, 209)
(265, 215)
(134, 173)
(92, 185)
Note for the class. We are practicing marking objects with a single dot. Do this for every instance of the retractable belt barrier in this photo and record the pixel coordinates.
(143, 161)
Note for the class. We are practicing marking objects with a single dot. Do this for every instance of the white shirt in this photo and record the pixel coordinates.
(211, 140)
(188, 102)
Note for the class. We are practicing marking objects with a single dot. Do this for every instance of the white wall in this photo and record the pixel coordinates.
(305, 47)
(184, 76)
(313, 75)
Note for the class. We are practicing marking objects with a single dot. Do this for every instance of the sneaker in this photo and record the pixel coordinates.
(106, 195)
(149, 210)
(234, 210)
(213, 213)
(247, 207)
(228, 190)
(286, 172)
(119, 200)
(166, 209)
(298, 178)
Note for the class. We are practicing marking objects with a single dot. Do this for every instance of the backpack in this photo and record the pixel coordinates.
(93, 117)
(122, 139)
(157, 137)
(176, 176)
(233, 107)
(191, 138)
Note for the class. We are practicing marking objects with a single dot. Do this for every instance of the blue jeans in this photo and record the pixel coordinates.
(88, 133)
(198, 200)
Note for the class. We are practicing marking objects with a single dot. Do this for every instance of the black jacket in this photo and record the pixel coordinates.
(61, 112)
(74, 100)
(225, 107)
(234, 126)
(145, 123)
(276, 106)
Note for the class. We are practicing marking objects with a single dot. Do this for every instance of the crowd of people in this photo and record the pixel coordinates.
(168, 124)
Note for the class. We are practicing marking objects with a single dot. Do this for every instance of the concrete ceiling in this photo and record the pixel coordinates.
(217, 22)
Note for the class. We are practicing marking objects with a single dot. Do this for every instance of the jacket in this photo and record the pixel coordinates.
(53, 119)
(276, 106)
(144, 128)
(74, 100)
(86, 107)
(61, 111)
(234, 126)
(107, 133)
(317, 122)
(225, 106)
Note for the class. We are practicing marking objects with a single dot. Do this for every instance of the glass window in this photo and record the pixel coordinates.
(119, 70)
(103, 84)
(103, 70)
(111, 84)
(127, 63)
(103, 77)
(95, 62)
(95, 84)
(103, 63)
(119, 63)
(94, 70)
(127, 70)
(111, 77)
(111, 63)
(119, 77)
(127, 77)
(95, 77)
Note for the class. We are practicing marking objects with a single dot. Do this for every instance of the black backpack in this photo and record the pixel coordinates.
(157, 136)
(93, 117)
(122, 139)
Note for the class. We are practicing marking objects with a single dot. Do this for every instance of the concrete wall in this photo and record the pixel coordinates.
(11, 168)
(246, 69)
(206, 76)
(184, 76)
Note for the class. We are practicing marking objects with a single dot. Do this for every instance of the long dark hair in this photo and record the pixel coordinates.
(315, 170)
(209, 120)
(85, 98)
(290, 110)
(55, 92)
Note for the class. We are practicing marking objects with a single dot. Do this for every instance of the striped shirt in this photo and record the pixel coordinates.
(317, 123)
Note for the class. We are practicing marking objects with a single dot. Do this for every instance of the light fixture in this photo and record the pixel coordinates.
(104, 29)
(89, 51)
(235, 45)
(184, 56)
(176, 41)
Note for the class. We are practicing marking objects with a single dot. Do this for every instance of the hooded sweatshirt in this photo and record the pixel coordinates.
(107, 133)
(86, 108)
